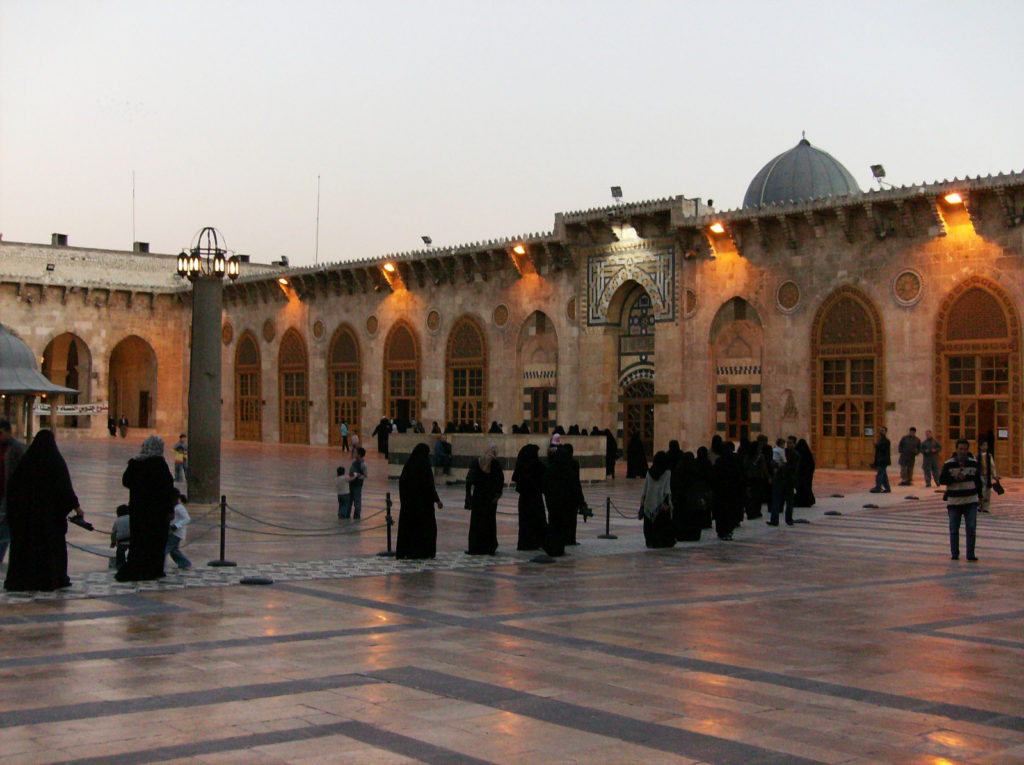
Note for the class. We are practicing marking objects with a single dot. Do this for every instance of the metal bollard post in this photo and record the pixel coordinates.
(223, 523)
(607, 520)
(390, 522)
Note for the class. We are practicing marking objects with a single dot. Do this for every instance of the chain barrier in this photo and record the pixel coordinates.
(612, 504)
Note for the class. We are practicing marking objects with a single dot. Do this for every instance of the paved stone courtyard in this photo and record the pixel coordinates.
(849, 639)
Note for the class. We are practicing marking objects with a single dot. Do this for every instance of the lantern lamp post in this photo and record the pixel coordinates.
(205, 264)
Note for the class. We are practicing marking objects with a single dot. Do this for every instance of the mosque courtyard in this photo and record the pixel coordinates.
(852, 638)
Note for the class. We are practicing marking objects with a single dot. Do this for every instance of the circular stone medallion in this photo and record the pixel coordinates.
(570, 309)
(371, 325)
(227, 333)
(787, 296)
(500, 315)
(433, 322)
(318, 329)
(907, 287)
(268, 330)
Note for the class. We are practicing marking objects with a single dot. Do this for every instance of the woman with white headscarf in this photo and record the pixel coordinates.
(151, 499)
(484, 483)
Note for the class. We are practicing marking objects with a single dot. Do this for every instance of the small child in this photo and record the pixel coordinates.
(120, 536)
(177, 534)
(341, 487)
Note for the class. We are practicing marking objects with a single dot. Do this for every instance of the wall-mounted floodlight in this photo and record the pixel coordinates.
(717, 228)
(954, 198)
(389, 267)
(519, 249)
(282, 281)
(616, 192)
(427, 240)
(877, 171)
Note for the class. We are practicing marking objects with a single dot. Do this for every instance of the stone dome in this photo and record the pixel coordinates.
(803, 172)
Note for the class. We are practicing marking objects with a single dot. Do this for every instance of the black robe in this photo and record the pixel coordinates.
(687, 500)
(383, 433)
(728, 484)
(528, 477)
(561, 496)
(39, 498)
(611, 453)
(151, 500)
(483, 488)
(804, 476)
(417, 525)
(636, 457)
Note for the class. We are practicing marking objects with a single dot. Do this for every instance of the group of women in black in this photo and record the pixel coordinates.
(685, 493)
(40, 497)
(553, 484)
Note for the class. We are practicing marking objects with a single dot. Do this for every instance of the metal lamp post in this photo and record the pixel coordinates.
(205, 265)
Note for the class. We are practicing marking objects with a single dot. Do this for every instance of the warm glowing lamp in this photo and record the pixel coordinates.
(389, 268)
(282, 281)
(953, 198)
(519, 249)
(717, 228)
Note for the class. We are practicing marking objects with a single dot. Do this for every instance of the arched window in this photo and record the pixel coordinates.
(343, 383)
(248, 396)
(402, 373)
(466, 364)
(847, 388)
(293, 373)
(977, 355)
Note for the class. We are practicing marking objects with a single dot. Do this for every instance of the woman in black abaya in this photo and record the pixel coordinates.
(39, 499)
(560, 495)
(151, 500)
(804, 475)
(528, 477)
(656, 504)
(687, 500)
(484, 483)
(636, 457)
(417, 526)
(611, 453)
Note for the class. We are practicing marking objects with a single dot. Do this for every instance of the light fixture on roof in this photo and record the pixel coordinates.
(717, 228)
(519, 249)
(50, 266)
(878, 172)
(427, 240)
(282, 281)
(954, 198)
(616, 192)
(389, 267)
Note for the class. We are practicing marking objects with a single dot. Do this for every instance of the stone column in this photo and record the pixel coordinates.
(204, 392)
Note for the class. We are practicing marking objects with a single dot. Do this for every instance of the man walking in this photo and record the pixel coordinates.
(962, 479)
(908, 448)
(930, 449)
(883, 458)
(11, 451)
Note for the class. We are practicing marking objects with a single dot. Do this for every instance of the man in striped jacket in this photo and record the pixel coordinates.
(962, 478)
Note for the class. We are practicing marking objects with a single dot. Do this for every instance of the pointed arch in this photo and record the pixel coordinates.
(132, 382)
(67, 361)
(537, 362)
(737, 349)
(402, 372)
(344, 383)
(847, 378)
(248, 389)
(466, 372)
(978, 370)
(293, 382)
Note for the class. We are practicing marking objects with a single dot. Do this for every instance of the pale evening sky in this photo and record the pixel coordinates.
(470, 120)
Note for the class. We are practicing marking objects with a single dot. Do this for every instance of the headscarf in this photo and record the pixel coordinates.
(659, 465)
(556, 440)
(153, 446)
(657, 489)
(41, 458)
(490, 454)
(418, 462)
(527, 456)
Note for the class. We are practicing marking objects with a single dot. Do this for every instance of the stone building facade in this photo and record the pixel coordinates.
(816, 309)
